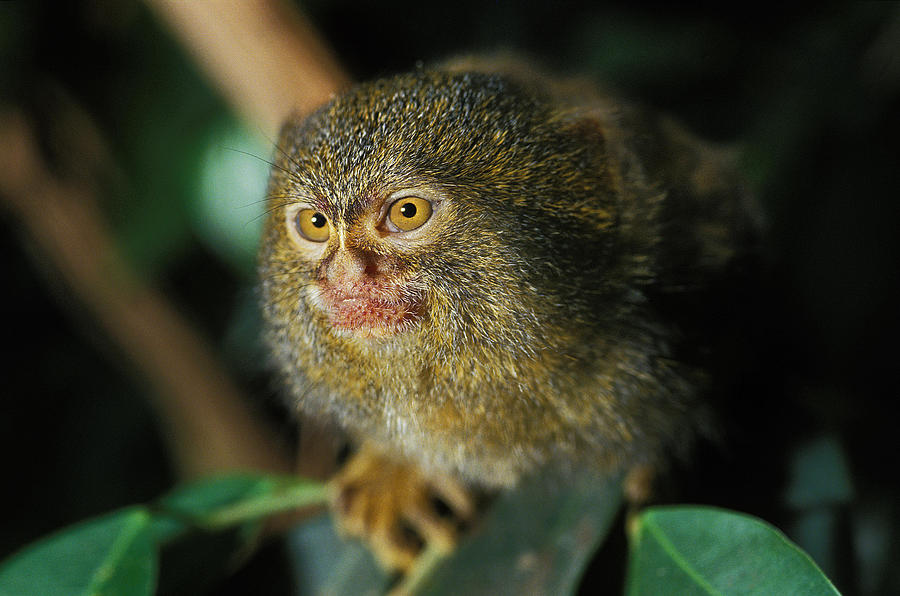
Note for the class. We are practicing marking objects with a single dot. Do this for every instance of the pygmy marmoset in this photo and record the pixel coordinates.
(457, 268)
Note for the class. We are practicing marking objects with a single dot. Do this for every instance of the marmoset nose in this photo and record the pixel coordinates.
(350, 266)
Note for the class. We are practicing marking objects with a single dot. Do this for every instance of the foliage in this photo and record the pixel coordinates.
(117, 554)
(701, 550)
(536, 539)
(110, 555)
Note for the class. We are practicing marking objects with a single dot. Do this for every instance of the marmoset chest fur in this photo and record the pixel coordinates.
(456, 269)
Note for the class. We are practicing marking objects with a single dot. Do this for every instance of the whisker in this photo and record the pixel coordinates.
(266, 213)
(253, 155)
(267, 198)
(294, 162)
(292, 173)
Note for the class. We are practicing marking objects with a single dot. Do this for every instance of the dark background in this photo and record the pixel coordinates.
(811, 95)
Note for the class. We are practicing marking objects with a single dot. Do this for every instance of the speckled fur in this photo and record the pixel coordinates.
(537, 343)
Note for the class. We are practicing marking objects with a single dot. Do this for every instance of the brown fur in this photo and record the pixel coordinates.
(561, 207)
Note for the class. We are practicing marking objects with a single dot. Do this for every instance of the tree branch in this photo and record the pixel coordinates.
(263, 55)
(206, 420)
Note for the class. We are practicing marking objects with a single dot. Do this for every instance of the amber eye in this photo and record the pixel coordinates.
(409, 213)
(312, 225)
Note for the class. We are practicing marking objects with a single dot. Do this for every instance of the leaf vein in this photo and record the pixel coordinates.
(679, 559)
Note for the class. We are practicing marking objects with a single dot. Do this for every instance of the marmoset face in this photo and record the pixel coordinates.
(364, 266)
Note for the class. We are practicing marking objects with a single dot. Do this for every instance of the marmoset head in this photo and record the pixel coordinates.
(455, 207)
(456, 264)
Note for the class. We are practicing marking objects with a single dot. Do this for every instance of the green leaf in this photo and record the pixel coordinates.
(224, 501)
(324, 563)
(175, 513)
(819, 474)
(536, 539)
(819, 485)
(107, 556)
(702, 550)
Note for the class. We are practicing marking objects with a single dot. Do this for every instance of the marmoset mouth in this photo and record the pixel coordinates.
(371, 313)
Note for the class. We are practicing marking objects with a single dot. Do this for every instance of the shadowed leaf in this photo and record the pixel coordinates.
(534, 540)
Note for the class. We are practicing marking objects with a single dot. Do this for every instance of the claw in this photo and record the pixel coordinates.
(396, 509)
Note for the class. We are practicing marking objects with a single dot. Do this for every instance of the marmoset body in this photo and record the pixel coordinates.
(458, 263)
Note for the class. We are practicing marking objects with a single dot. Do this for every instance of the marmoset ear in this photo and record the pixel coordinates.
(585, 128)
(710, 215)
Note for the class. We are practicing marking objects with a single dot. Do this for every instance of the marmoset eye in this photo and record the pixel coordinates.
(409, 213)
(312, 225)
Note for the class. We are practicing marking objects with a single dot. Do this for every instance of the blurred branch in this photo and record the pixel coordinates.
(209, 425)
(269, 62)
(264, 55)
